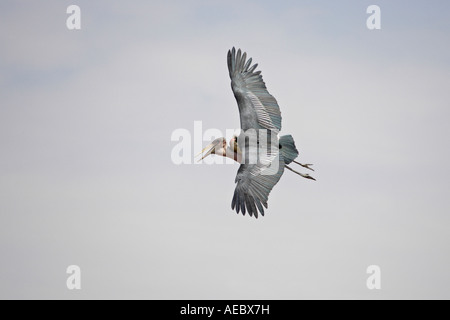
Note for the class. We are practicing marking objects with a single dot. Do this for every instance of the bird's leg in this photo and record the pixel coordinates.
(307, 176)
(307, 166)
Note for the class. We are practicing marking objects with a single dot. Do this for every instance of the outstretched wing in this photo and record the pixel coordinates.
(257, 107)
(255, 181)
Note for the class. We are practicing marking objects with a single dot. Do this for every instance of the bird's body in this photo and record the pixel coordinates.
(262, 154)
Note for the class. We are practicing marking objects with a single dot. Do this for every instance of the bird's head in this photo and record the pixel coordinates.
(218, 146)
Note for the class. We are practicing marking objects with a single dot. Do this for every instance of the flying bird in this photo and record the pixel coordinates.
(262, 153)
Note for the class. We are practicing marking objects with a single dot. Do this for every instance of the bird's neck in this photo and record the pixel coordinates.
(236, 156)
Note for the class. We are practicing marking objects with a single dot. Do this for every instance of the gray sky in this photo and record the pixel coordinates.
(87, 179)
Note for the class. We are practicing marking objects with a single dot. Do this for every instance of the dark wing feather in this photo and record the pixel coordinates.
(257, 107)
(254, 183)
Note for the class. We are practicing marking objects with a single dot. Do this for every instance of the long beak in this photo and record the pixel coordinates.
(211, 148)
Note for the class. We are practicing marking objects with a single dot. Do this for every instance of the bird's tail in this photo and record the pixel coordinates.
(288, 149)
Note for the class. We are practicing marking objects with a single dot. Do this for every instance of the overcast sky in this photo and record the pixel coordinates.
(86, 176)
